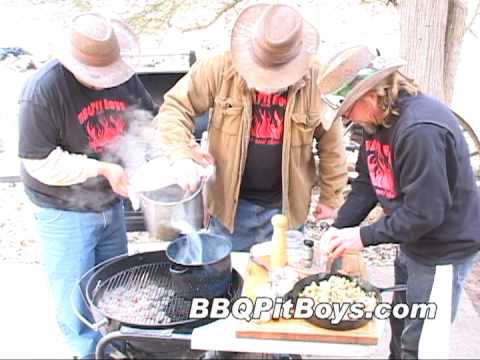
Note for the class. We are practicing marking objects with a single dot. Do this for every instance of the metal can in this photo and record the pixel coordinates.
(307, 256)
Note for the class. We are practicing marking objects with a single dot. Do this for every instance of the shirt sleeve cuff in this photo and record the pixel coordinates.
(91, 167)
(331, 201)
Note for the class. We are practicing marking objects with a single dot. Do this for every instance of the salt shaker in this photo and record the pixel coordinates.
(321, 260)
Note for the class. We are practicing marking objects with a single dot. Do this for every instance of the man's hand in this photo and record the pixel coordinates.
(202, 157)
(323, 212)
(187, 174)
(342, 240)
(116, 176)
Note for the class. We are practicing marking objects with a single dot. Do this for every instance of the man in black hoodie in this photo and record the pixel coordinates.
(415, 162)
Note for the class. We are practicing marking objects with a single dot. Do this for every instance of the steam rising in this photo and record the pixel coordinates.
(192, 253)
(137, 144)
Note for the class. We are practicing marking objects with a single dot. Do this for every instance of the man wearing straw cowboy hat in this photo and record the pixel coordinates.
(71, 110)
(266, 113)
(414, 161)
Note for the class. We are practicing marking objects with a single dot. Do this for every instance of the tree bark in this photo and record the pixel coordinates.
(456, 27)
(422, 42)
(431, 34)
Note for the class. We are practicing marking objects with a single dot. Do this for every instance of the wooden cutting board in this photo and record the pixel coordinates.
(296, 329)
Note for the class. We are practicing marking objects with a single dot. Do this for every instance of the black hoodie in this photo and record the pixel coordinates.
(419, 170)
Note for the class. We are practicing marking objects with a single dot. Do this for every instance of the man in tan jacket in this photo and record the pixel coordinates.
(266, 113)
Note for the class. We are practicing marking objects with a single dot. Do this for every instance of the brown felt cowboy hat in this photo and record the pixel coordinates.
(272, 46)
(99, 51)
(350, 74)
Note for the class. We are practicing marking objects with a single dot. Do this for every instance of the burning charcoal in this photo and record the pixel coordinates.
(147, 304)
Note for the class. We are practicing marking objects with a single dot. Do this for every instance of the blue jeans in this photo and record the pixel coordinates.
(252, 225)
(73, 243)
(419, 280)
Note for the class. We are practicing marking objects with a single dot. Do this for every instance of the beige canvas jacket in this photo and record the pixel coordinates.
(214, 84)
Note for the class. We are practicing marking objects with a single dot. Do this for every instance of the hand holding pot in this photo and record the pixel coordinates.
(202, 156)
(116, 176)
(188, 172)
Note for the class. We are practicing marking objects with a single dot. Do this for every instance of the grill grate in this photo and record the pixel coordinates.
(142, 295)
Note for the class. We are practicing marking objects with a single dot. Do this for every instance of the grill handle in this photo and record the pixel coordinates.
(178, 269)
(78, 287)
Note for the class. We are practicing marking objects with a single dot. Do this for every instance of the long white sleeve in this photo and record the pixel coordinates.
(61, 168)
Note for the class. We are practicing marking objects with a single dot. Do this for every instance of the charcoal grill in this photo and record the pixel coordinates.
(135, 307)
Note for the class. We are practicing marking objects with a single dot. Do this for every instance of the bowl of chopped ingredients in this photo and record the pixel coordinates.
(337, 301)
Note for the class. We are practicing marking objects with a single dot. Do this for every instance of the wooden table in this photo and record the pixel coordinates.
(221, 336)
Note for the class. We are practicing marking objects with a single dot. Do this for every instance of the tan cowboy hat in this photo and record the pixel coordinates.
(351, 74)
(272, 46)
(99, 51)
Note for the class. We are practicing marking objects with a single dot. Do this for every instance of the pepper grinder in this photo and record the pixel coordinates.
(279, 258)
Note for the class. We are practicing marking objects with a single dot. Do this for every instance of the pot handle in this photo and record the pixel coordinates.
(402, 287)
(178, 269)
(288, 296)
(78, 287)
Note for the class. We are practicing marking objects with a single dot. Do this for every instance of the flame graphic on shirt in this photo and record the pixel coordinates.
(103, 122)
(268, 118)
(380, 168)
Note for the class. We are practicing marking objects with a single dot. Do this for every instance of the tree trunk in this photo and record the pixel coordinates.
(456, 26)
(422, 42)
(431, 34)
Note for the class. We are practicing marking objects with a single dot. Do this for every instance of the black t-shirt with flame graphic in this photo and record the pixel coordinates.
(58, 111)
(262, 177)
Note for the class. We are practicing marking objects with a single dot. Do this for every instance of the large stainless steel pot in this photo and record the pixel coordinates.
(169, 205)
(205, 272)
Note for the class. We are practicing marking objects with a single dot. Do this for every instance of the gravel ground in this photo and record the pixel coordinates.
(19, 241)
(338, 28)
(472, 285)
(18, 238)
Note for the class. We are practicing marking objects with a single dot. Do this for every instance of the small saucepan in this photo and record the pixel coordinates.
(201, 265)
(344, 324)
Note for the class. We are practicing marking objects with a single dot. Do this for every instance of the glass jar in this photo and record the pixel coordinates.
(295, 247)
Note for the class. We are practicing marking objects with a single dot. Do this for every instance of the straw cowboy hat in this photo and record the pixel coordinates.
(351, 74)
(99, 51)
(272, 46)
